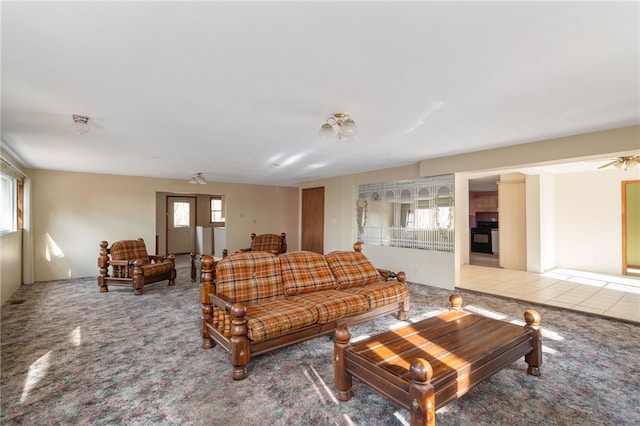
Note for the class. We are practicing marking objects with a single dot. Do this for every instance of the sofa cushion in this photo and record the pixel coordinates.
(273, 318)
(130, 250)
(249, 277)
(305, 272)
(381, 293)
(352, 269)
(333, 305)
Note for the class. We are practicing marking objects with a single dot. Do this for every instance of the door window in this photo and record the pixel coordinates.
(181, 214)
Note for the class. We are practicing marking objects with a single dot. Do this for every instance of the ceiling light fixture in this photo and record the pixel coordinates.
(197, 178)
(80, 124)
(626, 163)
(346, 128)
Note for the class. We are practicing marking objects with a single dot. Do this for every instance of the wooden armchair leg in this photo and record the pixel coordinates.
(103, 286)
(138, 280)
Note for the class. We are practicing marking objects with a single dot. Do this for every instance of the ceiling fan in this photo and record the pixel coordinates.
(627, 162)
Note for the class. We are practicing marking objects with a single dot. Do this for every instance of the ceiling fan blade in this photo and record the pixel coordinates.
(608, 164)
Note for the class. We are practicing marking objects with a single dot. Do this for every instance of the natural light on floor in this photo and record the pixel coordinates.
(612, 282)
(38, 369)
(37, 372)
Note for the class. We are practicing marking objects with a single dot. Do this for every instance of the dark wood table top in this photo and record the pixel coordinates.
(462, 348)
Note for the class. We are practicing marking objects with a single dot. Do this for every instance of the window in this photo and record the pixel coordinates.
(216, 209)
(11, 197)
(9, 203)
(181, 214)
(413, 214)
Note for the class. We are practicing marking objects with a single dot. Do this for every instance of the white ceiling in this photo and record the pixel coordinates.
(231, 89)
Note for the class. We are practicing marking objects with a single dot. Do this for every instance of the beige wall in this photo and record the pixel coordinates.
(421, 266)
(73, 212)
(10, 264)
(16, 246)
(552, 151)
(589, 220)
(442, 269)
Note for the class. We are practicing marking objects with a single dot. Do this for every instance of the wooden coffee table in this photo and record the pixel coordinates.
(426, 365)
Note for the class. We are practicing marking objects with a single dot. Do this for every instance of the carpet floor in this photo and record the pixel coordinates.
(70, 355)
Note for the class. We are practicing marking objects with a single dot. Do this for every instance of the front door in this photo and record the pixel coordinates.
(181, 225)
(313, 220)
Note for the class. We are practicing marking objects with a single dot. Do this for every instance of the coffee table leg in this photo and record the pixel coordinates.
(422, 401)
(534, 358)
(341, 376)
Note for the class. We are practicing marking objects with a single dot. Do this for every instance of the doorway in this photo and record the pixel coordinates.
(312, 222)
(631, 227)
(484, 221)
(181, 224)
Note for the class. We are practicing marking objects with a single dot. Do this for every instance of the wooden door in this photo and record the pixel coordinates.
(631, 227)
(313, 219)
(181, 225)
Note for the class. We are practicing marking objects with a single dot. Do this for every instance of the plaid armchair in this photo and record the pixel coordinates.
(272, 243)
(128, 263)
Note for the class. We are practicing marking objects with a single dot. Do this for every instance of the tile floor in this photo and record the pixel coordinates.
(613, 296)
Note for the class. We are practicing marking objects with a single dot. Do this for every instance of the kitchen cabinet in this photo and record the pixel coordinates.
(487, 203)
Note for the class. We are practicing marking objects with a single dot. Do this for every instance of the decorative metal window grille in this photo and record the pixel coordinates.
(414, 214)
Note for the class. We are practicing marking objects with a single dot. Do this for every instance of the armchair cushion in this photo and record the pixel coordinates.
(272, 243)
(131, 250)
(151, 269)
(266, 242)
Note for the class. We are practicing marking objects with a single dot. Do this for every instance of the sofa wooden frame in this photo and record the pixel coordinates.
(223, 321)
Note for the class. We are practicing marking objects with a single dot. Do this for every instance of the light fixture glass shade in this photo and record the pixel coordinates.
(348, 128)
(632, 162)
(198, 179)
(326, 131)
(80, 125)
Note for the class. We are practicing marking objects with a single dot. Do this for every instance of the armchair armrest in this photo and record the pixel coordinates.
(154, 258)
(221, 302)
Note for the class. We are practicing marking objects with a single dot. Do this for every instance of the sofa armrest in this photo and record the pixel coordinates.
(385, 273)
(388, 275)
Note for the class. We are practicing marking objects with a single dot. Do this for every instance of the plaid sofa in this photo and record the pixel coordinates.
(127, 262)
(261, 301)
